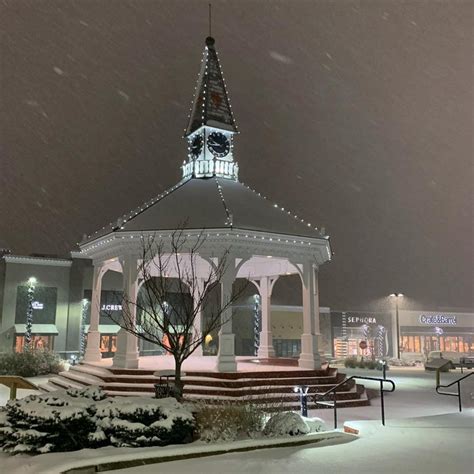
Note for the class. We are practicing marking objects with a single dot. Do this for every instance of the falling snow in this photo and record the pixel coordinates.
(330, 97)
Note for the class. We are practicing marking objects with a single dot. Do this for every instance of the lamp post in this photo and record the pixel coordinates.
(397, 296)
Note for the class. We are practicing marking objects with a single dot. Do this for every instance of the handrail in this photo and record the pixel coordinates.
(458, 382)
(360, 377)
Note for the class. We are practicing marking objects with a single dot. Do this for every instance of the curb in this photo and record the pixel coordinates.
(114, 465)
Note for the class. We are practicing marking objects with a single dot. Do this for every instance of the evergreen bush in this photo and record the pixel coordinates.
(142, 422)
(68, 420)
(30, 363)
(370, 364)
(350, 362)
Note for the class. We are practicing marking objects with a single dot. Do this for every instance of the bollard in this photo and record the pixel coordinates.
(302, 390)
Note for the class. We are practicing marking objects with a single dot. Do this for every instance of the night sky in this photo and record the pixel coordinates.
(357, 116)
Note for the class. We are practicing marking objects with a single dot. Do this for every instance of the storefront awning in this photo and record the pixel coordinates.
(106, 328)
(37, 329)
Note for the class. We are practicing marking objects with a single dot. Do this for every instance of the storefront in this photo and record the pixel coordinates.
(43, 307)
(364, 334)
(422, 332)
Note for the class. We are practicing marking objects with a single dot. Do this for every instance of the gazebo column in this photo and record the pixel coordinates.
(309, 357)
(93, 353)
(126, 356)
(197, 298)
(226, 356)
(265, 287)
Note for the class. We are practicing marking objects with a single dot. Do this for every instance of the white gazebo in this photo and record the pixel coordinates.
(263, 240)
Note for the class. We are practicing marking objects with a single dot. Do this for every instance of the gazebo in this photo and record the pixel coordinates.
(262, 240)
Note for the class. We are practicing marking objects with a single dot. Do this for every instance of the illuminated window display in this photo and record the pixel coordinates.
(349, 329)
(37, 342)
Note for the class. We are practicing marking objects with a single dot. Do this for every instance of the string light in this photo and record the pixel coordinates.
(219, 168)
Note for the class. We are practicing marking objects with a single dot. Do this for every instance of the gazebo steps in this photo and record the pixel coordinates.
(270, 389)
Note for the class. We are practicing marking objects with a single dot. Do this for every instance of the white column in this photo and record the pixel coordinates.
(197, 297)
(126, 356)
(309, 357)
(265, 287)
(226, 356)
(93, 353)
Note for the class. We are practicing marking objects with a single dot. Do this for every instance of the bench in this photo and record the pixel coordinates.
(13, 382)
(164, 389)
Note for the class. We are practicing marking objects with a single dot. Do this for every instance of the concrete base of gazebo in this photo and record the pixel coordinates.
(269, 383)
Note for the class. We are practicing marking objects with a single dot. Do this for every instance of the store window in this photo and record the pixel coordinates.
(37, 342)
(108, 345)
(424, 344)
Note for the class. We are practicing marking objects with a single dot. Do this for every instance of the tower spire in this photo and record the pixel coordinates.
(211, 105)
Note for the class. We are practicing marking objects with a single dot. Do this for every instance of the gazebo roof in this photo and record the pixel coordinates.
(212, 203)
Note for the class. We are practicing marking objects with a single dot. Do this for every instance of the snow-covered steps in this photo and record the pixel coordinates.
(270, 388)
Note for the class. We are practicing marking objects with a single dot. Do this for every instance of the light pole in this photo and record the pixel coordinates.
(397, 321)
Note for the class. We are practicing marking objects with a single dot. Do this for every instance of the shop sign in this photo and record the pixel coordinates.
(438, 319)
(111, 307)
(37, 305)
(362, 320)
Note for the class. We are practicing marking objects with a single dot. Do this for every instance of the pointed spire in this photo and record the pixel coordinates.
(211, 104)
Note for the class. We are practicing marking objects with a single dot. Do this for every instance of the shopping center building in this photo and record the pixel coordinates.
(64, 286)
(78, 298)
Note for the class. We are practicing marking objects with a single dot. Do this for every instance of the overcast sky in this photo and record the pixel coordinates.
(358, 116)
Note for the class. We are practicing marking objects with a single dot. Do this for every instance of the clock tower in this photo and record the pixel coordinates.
(211, 128)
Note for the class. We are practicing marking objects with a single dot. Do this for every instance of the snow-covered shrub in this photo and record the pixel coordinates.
(286, 423)
(67, 420)
(228, 421)
(350, 362)
(315, 425)
(30, 363)
(132, 421)
(61, 421)
(371, 364)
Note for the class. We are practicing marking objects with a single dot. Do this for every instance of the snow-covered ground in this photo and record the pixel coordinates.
(414, 396)
(201, 363)
(424, 434)
(428, 445)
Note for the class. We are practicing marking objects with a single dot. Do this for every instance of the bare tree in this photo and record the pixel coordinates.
(166, 309)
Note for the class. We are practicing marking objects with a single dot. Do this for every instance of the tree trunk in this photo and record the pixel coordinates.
(178, 384)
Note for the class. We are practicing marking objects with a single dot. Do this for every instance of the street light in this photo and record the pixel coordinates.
(397, 296)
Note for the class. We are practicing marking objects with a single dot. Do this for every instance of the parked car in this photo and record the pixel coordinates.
(456, 358)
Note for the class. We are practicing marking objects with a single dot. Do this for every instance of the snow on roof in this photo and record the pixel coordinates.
(211, 203)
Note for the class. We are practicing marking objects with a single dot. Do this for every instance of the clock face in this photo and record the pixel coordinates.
(196, 145)
(218, 144)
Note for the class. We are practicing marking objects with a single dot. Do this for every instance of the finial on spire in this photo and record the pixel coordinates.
(210, 19)
(210, 40)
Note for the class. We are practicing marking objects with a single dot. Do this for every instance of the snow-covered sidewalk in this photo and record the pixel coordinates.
(427, 445)
(117, 458)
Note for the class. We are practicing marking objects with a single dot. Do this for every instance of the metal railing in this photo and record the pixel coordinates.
(457, 382)
(333, 403)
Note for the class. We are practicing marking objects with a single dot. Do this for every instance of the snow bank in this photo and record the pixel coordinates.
(292, 424)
